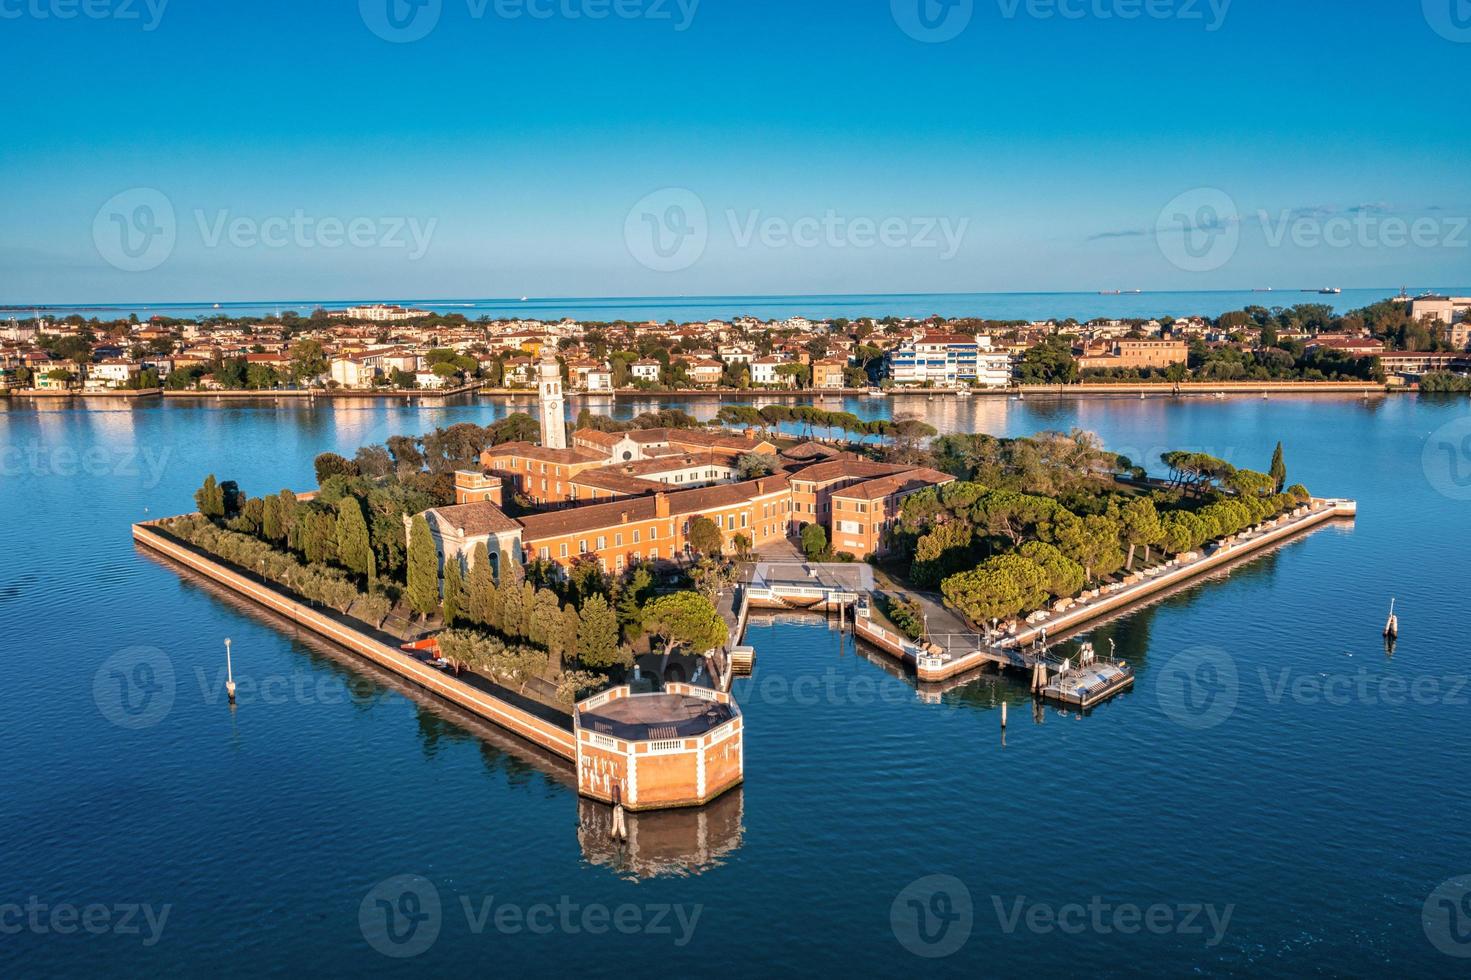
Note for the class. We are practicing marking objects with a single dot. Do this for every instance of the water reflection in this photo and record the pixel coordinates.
(663, 843)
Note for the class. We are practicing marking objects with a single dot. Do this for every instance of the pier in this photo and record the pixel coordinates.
(951, 648)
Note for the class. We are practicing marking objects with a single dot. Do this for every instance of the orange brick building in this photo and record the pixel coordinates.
(681, 747)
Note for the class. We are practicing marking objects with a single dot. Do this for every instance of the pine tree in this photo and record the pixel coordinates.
(354, 549)
(1278, 472)
(454, 590)
(423, 590)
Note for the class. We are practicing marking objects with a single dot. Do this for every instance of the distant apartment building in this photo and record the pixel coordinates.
(1134, 355)
(1447, 310)
(948, 360)
(647, 370)
(827, 374)
(705, 372)
(112, 373)
(378, 312)
(765, 371)
(1461, 335)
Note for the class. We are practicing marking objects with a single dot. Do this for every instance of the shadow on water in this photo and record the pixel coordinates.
(671, 842)
(440, 722)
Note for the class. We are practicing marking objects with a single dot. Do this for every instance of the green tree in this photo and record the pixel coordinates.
(454, 591)
(329, 465)
(308, 360)
(478, 587)
(210, 499)
(546, 618)
(273, 524)
(513, 611)
(354, 550)
(1278, 472)
(998, 588)
(1064, 577)
(564, 639)
(685, 619)
(423, 586)
(597, 635)
(814, 542)
(704, 537)
(752, 465)
(1141, 527)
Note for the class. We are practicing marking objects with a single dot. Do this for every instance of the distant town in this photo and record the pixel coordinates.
(1402, 341)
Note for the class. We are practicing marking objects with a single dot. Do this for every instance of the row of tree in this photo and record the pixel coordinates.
(998, 551)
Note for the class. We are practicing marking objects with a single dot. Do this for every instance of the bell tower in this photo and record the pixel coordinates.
(553, 411)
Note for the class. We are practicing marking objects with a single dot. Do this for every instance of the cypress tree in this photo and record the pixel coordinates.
(1278, 472)
(454, 590)
(210, 499)
(597, 634)
(512, 611)
(354, 549)
(273, 528)
(423, 590)
(478, 587)
(566, 638)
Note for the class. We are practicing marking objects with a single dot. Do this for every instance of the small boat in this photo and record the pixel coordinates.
(962, 392)
(1391, 628)
(876, 393)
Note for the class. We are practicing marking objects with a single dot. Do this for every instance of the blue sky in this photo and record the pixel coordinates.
(804, 146)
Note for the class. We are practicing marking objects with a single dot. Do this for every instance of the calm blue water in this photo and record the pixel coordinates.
(1321, 823)
(998, 306)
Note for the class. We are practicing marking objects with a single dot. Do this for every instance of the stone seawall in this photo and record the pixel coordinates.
(1320, 512)
(510, 717)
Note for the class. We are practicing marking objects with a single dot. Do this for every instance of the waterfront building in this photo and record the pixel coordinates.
(827, 374)
(378, 312)
(948, 360)
(764, 372)
(1134, 355)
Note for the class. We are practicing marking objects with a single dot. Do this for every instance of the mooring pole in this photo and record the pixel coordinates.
(229, 673)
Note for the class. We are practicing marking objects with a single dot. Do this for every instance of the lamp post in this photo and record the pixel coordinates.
(229, 673)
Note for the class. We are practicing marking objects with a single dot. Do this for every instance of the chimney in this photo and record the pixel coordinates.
(760, 487)
(661, 505)
(623, 517)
